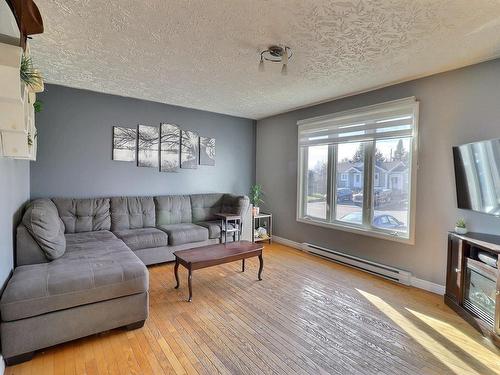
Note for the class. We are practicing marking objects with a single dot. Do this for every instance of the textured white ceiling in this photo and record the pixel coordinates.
(204, 54)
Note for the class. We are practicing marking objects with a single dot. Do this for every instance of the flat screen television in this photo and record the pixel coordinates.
(477, 175)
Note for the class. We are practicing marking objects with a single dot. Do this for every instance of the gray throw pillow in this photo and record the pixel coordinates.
(42, 221)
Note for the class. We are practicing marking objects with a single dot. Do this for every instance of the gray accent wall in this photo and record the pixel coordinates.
(75, 144)
(456, 107)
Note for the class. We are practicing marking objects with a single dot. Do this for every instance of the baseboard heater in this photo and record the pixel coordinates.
(387, 272)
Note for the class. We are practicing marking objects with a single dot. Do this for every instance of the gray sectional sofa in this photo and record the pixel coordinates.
(81, 263)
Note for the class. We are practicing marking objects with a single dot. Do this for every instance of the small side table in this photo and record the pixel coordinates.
(231, 223)
(267, 218)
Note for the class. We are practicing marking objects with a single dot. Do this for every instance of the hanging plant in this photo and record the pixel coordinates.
(29, 75)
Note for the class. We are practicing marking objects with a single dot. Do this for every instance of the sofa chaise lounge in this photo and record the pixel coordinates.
(81, 263)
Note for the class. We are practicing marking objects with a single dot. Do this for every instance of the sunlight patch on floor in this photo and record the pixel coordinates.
(452, 361)
(490, 357)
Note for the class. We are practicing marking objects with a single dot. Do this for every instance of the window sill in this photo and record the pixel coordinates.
(358, 230)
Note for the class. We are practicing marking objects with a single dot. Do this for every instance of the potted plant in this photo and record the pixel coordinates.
(460, 226)
(256, 198)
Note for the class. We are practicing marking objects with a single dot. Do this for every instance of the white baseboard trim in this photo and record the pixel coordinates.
(2, 365)
(415, 282)
(287, 242)
(427, 285)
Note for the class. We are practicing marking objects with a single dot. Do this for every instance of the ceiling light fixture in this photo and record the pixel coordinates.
(276, 54)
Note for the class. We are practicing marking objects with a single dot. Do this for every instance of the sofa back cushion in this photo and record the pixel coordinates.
(205, 206)
(173, 209)
(235, 204)
(84, 215)
(42, 221)
(132, 213)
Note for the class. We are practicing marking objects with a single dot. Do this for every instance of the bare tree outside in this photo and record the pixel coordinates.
(148, 141)
(207, 151)
(189, 149)
(170, 143)
(124, 143)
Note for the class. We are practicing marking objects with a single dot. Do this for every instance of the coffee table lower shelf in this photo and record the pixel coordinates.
(213, 255)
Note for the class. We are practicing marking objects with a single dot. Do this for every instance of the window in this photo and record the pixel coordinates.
(349, 156)
(317, 186)
(357, 170)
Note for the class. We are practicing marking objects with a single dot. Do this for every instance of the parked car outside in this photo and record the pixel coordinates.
(357, 198)
(388, 222)
(353, 217)
(344, 195)
(384, 221)
(382, 196)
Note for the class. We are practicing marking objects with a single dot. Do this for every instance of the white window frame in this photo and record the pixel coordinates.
(366, 228)
(344, 177)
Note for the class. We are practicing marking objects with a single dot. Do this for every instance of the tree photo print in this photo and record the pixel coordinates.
(147, 143)
(124, 143)
(167, 147)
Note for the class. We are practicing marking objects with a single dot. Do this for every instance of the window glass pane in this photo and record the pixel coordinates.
(391, 184)
(316, 181)
(349, 189)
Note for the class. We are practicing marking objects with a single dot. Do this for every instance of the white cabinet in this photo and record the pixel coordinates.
(17, 114)
(10, 63)
(15, 144)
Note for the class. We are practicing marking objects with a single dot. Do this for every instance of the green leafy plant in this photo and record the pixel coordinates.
(29, 75)
(256, 194)
(38, 105)
(460, 223)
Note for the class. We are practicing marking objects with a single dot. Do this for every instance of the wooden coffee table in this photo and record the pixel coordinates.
(213, 255)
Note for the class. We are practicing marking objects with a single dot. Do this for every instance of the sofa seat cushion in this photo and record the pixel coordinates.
(88, 272)
(143, 238)
(179, 234)
(77, 241)
(214, 228)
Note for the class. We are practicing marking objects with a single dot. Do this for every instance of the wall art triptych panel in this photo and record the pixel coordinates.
(170, 138)
(189, 149)
(167, 147)
(207, 151)
(147, 146)
(124, 143)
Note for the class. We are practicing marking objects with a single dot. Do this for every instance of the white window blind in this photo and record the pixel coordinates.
(393, 119)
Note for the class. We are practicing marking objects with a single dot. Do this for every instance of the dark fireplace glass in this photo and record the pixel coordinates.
(480, 294)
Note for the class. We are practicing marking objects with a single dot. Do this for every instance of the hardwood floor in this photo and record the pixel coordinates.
(307, 316)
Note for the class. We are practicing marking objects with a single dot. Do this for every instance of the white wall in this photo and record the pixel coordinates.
(9, 31)
(455, 108)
